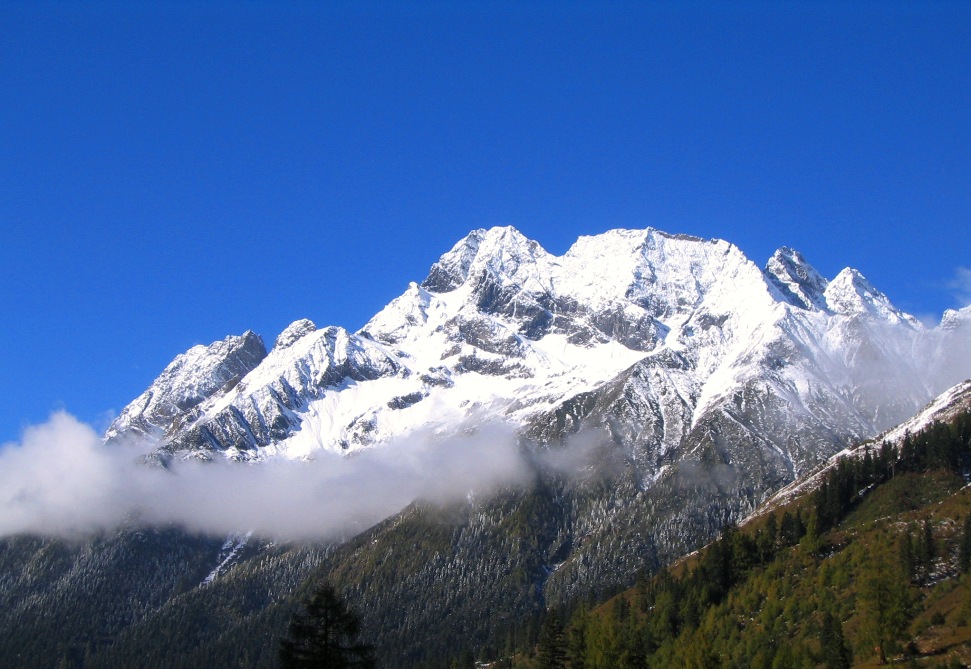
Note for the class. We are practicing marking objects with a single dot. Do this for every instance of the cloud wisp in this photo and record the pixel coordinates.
(960, 285)
(61, 480)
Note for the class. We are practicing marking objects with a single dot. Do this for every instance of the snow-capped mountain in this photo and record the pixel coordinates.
(705, 383)
(693, 335)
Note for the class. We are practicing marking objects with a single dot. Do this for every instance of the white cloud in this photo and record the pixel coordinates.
(62, 480)
(960, 285)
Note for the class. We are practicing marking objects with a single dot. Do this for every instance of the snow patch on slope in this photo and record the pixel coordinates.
(228, 555)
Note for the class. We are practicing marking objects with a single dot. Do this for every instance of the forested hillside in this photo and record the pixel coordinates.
(870, 568)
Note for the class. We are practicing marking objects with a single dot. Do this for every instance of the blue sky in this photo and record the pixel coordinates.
(175, 172)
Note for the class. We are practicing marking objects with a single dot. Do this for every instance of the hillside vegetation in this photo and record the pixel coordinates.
(870, 568)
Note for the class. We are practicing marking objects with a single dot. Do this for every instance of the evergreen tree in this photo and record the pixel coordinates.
(664, 622)
(926, 550)
(621, 610)
(813, 539)
(465, 660)
(788, 530)
(767, 540)
(836, 653)
(324, 635)
(868, 468)
(884, 603)
(577, 639)
(906, 550)
(633, 649)
(964, 554)
(552, 647)
(907, 456)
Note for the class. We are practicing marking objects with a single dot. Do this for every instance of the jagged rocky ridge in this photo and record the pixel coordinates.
(696, 338)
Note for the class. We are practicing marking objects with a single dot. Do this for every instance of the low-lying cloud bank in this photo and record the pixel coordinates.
(62, 480)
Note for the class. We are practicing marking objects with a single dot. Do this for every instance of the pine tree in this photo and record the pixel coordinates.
(324, 635)
(552, 647)
(799, 525)
(771, 538)
(633, 649)
(788, 530)
(813, 540)
(465, 660)
(906, 550)
(836, 652)
(664, 622)
(884, 605)
(867, 467)
(577, 639)
(964, 554)
(926, 550)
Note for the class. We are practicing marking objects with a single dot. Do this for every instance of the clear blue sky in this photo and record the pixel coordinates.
(171, 173)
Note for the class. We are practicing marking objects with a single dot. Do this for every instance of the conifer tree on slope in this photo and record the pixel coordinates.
(552, 645)
(324, 635)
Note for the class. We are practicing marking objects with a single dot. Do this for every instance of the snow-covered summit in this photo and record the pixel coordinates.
(661, 273)
(850, 293)
(190, 379)
(623, 285)
(293, 332)
(797, 279)
(696, 337)
(270, 403)
(502, 255)
(954, 319)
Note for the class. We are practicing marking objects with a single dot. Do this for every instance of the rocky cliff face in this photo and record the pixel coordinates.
(199, 374)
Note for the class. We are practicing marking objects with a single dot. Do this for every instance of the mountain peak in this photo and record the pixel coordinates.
(850, 293)
(955, 318)
(498, 311)
(796, 279)
(190, 379)
(498, 252)
(452, 269)
(293, 332)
